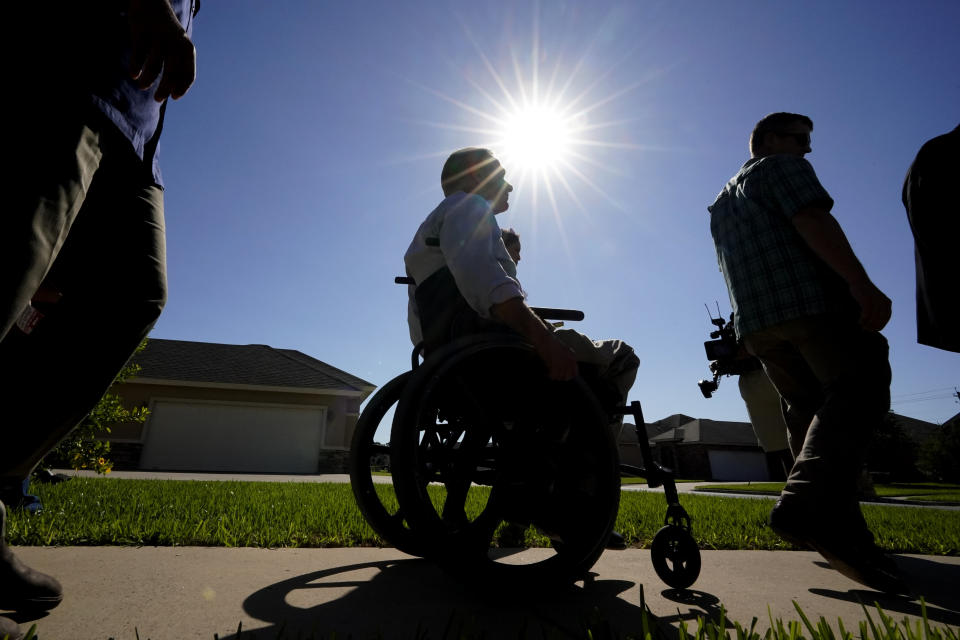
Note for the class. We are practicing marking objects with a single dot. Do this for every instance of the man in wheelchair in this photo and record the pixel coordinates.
(466, 283)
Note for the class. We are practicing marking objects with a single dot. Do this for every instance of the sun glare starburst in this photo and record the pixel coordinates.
(551, 131)
(535, 138)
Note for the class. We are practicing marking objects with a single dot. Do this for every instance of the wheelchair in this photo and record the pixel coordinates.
(481, 412)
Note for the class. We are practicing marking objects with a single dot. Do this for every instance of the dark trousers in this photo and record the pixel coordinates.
(85, 220)
(834, 378)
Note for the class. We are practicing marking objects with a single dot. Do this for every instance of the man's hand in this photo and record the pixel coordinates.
(160, 45)
(875, 306)
(560, 360)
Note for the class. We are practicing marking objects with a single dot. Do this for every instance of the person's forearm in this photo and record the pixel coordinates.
(517, 315)
(822, 233)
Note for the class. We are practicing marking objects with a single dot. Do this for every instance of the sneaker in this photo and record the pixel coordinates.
(10, 629)
(23, 588)
(846, 550)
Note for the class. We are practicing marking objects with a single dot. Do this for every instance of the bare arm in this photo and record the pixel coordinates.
(160, 46)
(822, 233)
(560, 360)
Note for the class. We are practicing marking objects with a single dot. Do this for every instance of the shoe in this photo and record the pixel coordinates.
(10, 629)
(616, 541)
(791, 523)
(845, 548)
(23, 588)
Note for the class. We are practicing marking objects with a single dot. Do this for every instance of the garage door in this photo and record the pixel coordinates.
(738, 465)
(217, 436)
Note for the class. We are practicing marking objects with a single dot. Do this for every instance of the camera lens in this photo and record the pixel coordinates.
(707, 387)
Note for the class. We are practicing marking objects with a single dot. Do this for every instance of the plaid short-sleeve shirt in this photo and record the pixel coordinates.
(772, 275)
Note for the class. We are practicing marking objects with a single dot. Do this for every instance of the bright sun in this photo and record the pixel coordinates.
(548, 123)
(535, 138)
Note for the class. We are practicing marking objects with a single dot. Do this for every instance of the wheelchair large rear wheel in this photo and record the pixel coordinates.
(377, 501)
(506, 449)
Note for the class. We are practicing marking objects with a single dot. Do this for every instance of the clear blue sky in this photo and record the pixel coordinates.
(309, 150)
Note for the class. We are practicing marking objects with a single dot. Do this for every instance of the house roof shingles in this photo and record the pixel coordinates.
(703, 431)
(252, 364)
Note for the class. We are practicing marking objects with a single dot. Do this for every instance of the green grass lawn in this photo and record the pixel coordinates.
(946, 496)
(876, 624)
(635, 480)
(927, 491)
(623, 479)
(100, 511)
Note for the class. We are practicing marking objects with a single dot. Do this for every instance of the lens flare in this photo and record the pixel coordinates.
(535, 138)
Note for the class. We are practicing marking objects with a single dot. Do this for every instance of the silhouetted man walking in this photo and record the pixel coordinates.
(804, 305)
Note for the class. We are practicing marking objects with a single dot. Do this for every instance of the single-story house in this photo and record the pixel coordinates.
(712, 449)
(243, 408)
(721, 450)
(629, 445)
(917, 430)
(699, 448)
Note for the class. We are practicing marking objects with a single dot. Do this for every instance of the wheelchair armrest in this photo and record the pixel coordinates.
(547, 313)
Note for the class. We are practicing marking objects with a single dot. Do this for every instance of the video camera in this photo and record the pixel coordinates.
(724, 353)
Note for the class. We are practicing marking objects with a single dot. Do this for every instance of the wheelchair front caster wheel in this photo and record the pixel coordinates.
(676, 558)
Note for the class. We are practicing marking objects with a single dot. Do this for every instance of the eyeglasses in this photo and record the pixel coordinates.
(803, 139)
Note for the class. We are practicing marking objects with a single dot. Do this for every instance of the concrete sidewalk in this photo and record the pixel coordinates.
(190, 592)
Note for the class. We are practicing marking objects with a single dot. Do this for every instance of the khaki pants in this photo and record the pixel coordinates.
(766, 413)
(615, 360)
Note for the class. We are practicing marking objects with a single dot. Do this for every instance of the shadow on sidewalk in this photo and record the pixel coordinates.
(415, 599)
(708, 604)
(935, 581)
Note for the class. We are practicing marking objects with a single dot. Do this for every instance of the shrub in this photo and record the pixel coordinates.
(84, 448)
(938, 455)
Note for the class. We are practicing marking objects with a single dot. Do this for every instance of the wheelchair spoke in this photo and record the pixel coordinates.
(462, 473)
